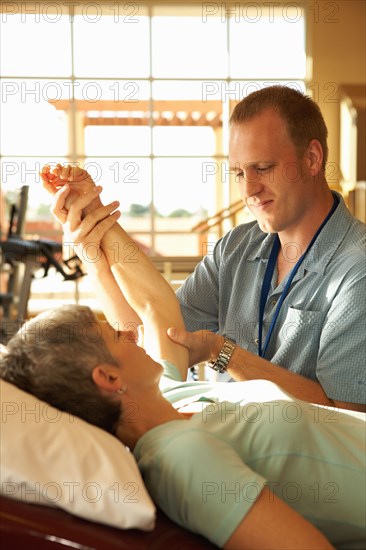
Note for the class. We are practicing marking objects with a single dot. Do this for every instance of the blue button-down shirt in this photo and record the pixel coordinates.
(320, 332)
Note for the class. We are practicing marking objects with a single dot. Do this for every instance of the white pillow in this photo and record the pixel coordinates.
(53, 458)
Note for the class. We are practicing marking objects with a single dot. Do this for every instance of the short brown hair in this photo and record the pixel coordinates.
(301, 114)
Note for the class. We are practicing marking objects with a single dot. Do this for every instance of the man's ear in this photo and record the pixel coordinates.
(314, 157)
(107, 377)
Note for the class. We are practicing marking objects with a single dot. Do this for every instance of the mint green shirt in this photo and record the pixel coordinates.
(206, 472)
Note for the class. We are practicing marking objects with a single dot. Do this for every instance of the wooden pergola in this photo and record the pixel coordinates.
(146, 112)
(108, 112)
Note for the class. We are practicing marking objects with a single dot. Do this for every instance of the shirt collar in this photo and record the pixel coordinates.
(330, 238)
(263, 252)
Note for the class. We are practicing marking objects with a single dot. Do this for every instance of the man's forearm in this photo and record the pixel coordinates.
(247, 366)
(244, 365)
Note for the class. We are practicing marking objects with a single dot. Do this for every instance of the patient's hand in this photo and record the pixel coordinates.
(73, 175)
(78, 180)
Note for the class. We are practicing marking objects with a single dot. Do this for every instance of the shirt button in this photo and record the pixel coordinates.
(256, 341)
(274, 302)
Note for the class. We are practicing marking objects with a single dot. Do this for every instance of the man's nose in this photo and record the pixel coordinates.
(250, 183)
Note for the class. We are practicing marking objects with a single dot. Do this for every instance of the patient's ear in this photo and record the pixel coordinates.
(106, 377)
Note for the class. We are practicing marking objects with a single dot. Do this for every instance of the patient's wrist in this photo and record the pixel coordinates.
(98, 268)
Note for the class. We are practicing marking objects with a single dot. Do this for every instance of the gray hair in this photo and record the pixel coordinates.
(53, 355)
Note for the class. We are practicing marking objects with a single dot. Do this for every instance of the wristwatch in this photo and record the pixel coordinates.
(221, 363)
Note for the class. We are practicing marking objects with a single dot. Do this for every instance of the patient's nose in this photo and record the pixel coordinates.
(128, 336)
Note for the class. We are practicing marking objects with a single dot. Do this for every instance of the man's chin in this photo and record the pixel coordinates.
(266, 227)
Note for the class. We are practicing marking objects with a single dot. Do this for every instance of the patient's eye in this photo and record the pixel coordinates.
(117, 335)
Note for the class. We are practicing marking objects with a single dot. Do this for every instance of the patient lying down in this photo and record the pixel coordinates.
(243, 470)
(219, 472)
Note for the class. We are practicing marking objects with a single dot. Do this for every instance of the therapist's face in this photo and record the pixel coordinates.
(274, 179)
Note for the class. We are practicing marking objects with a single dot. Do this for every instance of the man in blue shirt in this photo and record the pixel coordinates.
(307, 246)
(290, 288)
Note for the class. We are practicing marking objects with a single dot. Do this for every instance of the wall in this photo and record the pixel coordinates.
(337, 45)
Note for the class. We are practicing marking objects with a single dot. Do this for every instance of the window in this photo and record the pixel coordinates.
(140, 94)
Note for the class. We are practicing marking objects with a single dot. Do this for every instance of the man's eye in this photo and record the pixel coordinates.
(239, 175)
(264, 169)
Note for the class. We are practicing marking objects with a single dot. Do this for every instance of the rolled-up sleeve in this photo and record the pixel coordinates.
(199, 296)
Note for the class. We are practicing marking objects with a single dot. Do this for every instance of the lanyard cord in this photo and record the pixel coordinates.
(268, 278)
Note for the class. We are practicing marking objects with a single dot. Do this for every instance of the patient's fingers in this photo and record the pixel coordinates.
(56, 175)
(69, 173)
(47, 179)
(78, 178)
(47, 185)
(78, 174)
(50, 179)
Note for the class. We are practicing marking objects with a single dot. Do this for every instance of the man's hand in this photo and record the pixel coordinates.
(78, 180)
(85, 233)
(202, 345)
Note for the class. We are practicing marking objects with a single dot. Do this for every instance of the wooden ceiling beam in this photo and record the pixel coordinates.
(138, 106)
(158, 120)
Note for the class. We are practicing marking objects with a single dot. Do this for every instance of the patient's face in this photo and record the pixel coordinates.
(136, 366)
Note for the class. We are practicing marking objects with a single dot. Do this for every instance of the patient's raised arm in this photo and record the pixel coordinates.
(147, 293)
(65, 190)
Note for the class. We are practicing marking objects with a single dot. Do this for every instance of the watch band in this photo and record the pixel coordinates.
(221, 363)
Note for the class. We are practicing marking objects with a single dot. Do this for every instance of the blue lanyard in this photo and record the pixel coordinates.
(268, 278)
